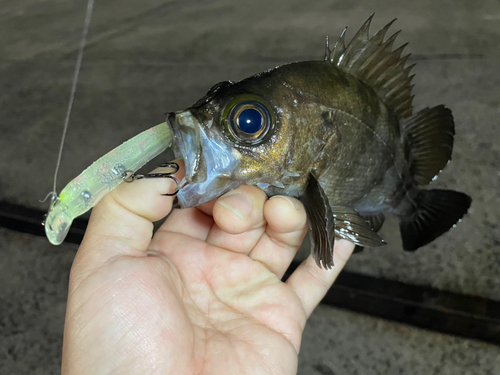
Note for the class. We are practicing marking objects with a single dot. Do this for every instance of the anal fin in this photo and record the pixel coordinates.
(351, 226)
(375, 220)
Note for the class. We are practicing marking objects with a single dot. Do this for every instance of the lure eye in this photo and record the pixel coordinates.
(249, 121)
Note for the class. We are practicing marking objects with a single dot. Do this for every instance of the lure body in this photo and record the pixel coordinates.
(105, 174)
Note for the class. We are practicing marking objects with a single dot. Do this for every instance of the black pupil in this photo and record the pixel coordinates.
(250, 121)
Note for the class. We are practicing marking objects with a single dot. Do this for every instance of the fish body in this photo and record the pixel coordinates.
(339, 134)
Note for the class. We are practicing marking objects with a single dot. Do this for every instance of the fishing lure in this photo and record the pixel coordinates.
(105, 174)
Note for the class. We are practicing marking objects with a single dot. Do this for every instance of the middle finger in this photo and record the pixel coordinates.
(286, 227)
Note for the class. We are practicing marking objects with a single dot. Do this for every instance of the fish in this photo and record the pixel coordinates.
(339, 134)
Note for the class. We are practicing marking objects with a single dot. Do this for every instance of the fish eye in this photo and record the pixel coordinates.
(249, 121)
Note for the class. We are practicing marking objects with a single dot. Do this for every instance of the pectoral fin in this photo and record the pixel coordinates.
(321, 223)
(326, 222)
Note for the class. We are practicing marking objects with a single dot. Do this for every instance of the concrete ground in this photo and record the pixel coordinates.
(147, 57)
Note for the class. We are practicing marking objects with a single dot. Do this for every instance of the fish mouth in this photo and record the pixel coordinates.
(209, 161)
(186, 145)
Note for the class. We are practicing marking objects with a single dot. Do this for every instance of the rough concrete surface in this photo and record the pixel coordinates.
(147, 57)
(337, 343)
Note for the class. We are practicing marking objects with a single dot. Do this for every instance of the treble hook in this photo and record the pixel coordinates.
(130, 176)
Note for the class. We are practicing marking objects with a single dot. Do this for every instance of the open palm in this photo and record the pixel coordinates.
(204, 296)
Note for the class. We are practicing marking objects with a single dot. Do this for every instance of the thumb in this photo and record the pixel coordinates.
(122, 222)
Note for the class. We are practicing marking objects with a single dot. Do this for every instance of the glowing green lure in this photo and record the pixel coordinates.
(105, 174)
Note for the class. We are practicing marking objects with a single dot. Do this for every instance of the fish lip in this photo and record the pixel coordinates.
(179, 144)
(186, 146)
(208, 160)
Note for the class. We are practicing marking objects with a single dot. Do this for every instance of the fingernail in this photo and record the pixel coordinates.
(293, 203)
(238, 203)
(166, 167)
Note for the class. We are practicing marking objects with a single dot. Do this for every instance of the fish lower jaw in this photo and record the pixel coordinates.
(193, 195)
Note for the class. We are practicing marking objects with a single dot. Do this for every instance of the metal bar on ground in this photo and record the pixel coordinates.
(29, 220)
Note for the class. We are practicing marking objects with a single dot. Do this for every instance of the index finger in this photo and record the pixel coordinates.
(122, 222)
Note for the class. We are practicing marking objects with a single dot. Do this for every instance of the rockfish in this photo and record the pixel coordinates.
(339, 134)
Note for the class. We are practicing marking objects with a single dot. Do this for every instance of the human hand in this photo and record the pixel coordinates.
(203, 296)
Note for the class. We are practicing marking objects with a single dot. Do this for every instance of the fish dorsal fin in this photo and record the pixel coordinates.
(429, 138)
(374, 62)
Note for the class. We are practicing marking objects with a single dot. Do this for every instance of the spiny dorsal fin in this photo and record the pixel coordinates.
(374, 62)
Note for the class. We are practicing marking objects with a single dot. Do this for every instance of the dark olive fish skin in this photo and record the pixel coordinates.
(347, 129)
(362, 163)
(340, 135)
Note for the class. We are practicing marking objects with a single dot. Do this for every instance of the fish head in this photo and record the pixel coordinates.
(250, 132)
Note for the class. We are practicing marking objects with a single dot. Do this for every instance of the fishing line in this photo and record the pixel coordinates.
(83, 42)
